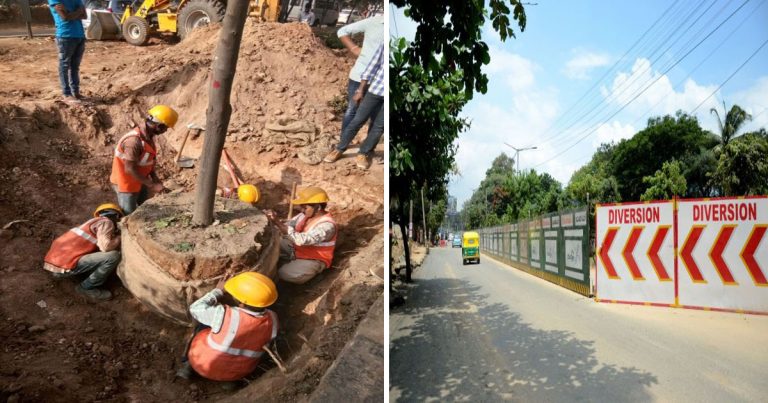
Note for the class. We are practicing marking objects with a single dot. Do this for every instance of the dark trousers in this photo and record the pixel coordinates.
(371, 107)
(71, 52)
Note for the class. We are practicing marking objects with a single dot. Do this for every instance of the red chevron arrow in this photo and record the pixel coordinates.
(627, 253)
(687, 258)
(716, 254)
(748, 255)
(607, 242)
(653, 253)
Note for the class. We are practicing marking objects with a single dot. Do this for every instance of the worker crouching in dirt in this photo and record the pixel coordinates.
(92, 248)
(133, 166)
(310, 238)
(235, 328)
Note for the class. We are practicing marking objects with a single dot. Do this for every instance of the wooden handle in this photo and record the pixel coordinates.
(290, 202)
(230, 169)
(183, 143)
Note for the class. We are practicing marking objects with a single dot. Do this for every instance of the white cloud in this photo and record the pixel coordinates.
(518, 120)
(660, 98)
(755, 102)
(612, 132)
(514, 70)
(579, 67)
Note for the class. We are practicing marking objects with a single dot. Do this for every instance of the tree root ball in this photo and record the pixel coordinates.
(168, 262)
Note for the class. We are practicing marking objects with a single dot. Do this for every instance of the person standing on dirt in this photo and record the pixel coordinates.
(133, 166)
(235, 326)
(309, 238)
(92, 248)
(307, 16)
(70, 40)
(370, 100)
(373, 31)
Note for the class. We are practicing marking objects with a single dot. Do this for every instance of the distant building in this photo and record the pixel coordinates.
(451, 205)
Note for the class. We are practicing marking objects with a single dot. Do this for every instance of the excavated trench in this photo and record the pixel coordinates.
(56, 169)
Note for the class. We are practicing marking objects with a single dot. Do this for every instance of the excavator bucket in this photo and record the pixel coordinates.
(104, 26)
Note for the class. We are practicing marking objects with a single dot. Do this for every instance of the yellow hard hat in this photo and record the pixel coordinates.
(248, 193)
(251, 288)
(311, 195)
(108, 206)
(164, 114)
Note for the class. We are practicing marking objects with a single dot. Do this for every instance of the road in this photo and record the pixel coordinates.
(489, 332)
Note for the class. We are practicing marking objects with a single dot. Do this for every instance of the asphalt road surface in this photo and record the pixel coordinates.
(489, 332)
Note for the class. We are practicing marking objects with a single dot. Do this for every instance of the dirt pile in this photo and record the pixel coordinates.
(55, 170)
(283, 72)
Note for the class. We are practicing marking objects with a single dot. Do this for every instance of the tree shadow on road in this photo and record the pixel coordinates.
(442, 354)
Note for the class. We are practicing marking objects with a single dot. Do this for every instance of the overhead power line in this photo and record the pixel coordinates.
(591, 131)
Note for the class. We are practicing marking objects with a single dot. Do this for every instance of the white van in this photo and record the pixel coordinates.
(326, 11)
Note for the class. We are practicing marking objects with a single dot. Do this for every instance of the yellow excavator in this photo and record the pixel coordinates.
(176, 16)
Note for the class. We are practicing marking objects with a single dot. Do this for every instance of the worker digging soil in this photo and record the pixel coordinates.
(56, 348)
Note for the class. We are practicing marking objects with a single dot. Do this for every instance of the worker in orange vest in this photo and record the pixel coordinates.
(92, 248)
(310, 237)
(133, 166)
(235, 328)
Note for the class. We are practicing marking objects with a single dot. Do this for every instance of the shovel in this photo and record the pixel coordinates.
(187, 162)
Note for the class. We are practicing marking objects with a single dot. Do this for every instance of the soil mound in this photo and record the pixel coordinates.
(283, 71)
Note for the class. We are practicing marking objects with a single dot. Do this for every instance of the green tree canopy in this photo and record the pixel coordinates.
(664, 139)
(665, 183)
(742, 168)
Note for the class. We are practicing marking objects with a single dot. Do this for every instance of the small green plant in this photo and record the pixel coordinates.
(184, 247)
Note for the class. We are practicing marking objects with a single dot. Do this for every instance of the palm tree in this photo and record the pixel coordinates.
(734, 120)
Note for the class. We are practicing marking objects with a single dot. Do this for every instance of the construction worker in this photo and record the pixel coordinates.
(92, 248)
(133, 166)
(309, 238)
(235, 327)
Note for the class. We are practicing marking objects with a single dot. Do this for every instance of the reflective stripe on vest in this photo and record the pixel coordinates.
(67, 249)
(322, 251)
(236, 349)
(125, 182)
(225, 346)
(84, 234)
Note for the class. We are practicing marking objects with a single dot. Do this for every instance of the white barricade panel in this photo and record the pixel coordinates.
(635, 252)
(723, 253)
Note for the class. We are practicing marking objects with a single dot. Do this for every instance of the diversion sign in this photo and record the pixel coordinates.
(723, 258)
(692, 253)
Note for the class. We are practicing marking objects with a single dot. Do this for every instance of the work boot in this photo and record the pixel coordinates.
(71, 100)
(363, 161)
(333, 156)
(185, 371)
(97, 294)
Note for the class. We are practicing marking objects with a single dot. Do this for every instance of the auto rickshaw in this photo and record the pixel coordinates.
(470, 247)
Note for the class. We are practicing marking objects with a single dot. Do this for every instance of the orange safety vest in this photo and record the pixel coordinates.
(322, 251)
(67, 249)
(236, 349)
(125, 182)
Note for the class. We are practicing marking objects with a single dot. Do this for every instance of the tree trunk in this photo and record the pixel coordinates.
(219, 108)
(406, 249)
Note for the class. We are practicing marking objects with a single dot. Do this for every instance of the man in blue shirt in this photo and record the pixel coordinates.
(70, 39)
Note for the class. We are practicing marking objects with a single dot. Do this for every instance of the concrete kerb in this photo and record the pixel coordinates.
(358, 371)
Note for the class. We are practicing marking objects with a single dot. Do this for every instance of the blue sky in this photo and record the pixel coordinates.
(537, 78)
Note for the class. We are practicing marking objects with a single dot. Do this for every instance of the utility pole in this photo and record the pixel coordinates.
(424, 218)
(410, 221)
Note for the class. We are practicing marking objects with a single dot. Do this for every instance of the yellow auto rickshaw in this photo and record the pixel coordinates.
(470, 247)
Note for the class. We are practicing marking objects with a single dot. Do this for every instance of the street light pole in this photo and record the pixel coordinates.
(517, 153)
